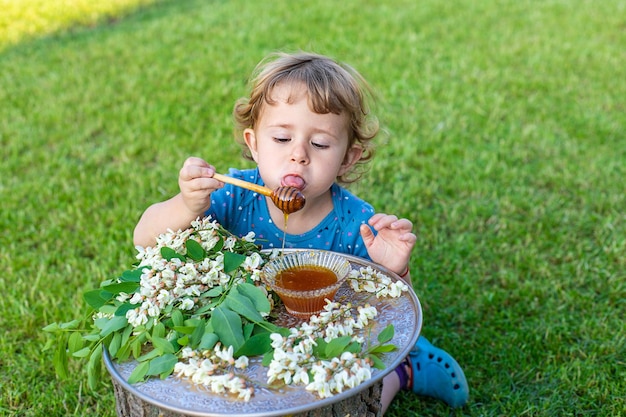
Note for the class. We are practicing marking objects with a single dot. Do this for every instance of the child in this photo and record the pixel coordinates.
(306, 125)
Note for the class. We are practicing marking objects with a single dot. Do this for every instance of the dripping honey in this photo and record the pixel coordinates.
(285, 232)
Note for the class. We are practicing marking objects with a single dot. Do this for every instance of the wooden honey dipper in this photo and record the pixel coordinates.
(287, 199)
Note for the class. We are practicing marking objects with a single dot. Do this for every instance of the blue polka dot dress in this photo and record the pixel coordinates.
(242, 211)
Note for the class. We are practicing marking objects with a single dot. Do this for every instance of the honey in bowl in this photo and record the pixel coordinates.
(305, 279)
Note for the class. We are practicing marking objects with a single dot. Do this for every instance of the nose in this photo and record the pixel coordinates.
(299, 154)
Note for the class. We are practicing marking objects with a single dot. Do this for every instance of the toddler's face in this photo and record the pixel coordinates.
(294, 146)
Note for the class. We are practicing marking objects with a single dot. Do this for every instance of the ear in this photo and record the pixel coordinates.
(352, 157)
(250, 138)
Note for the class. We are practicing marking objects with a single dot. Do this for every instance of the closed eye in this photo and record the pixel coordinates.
(320, 145)
(282, 140)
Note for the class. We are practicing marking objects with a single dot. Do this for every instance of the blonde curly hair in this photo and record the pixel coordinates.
(332, 88)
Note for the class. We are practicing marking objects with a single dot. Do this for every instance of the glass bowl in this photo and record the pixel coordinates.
(305, 279)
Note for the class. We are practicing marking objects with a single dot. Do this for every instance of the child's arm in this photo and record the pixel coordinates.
(391, 247)
(196, 185)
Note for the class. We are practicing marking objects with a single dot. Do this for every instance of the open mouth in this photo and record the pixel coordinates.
(293, 181)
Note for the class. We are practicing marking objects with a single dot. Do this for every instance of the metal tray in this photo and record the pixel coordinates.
(181, 396)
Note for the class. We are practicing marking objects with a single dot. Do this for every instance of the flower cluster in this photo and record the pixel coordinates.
(215, 369)
(194, 305)
(180, 281)
(370, 280)
(298, 357)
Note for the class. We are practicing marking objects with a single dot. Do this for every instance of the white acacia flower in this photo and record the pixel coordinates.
(136, 317)
(229, 243)
(122, 297)
(225, 354)
(150, 308)
(164, 298)
(366, 314)
(241, 362)
(137, 298)
(187, 304)
(252, 262)
(277, 340)
(101, 315)
(301, 376)
(249, 237)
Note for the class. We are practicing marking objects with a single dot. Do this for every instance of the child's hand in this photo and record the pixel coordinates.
(393, 244)
(196, 184)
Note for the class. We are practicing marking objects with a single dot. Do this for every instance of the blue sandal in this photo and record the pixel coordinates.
(436, 374)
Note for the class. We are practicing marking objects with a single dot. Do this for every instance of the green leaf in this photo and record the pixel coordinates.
(124, 308)
(383, 349)
(91, 337)
(108, 308)
(207, 308)
(386, 334)
(208, 341)
(133, 275)
(228, 326)
(75, 342)
(197, 334)
(69, 325)
(232, 261)
(158, 330)
(59, 360)
(256, 345)
(49, 343)
(267, 358)
(168, 254)
(139, 373)
(125, 287)
(218, 245)
(52, 328)
(163, 345)
(162, 364)
(319, 350)
(213, 292)
(379, 364)
(93, 367)
(177, 317)
(185, 329)
(123, 353)
(248, 329)
(136, 344)
(242, 305)
(111, 325)
(337, 346)
(195, 250)
(354, 347)
(272, 328)
(115, 344)
(97, 298)
(256, 295)
(149, 355)
(82, 353)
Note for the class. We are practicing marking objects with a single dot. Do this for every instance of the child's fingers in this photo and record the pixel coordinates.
(191, 172)
(381, 220)
(367, 235)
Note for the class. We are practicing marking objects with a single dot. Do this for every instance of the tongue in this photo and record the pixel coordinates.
(293, 181)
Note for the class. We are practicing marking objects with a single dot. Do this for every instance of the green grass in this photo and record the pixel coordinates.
(505, 147)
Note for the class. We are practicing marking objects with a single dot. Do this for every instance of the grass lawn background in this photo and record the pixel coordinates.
(505, 146)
